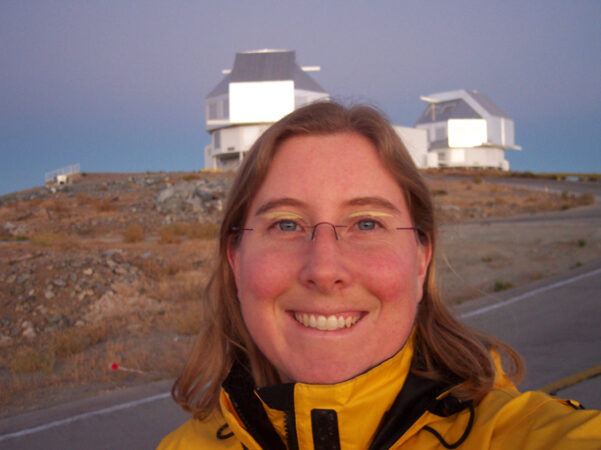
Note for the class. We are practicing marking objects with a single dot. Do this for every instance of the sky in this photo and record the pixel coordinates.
(120, 86)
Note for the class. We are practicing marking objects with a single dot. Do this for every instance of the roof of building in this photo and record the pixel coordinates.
(267, 65)
(451, 109)
(460, 104)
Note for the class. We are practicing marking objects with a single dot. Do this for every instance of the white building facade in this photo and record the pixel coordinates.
(262, 87)
(466, 129)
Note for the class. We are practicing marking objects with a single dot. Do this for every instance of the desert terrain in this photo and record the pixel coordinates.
(100, 279)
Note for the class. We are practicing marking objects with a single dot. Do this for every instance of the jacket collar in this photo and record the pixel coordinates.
(357, 404)
(376, 407)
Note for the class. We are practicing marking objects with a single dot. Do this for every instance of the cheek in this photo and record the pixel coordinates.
(393, 276)
(262, 276)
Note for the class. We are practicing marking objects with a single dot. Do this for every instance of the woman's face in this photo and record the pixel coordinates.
(324, 310)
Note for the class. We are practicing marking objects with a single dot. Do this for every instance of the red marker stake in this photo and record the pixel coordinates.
(116, 366)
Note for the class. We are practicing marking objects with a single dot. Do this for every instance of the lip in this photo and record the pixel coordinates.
(327, 322)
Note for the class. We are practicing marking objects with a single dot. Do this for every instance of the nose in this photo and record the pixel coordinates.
(323, 223)
(325, 267)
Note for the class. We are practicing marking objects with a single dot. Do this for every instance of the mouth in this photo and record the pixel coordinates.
(327, 323)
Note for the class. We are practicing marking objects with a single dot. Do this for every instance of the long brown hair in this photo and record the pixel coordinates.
(446, 350)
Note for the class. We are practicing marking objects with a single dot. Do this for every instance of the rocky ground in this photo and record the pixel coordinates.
(106, 272)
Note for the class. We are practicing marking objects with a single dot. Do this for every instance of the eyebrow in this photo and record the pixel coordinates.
(377, 202)
(278, 203)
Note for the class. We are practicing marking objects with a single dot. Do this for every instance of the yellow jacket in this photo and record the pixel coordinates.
(386, 407)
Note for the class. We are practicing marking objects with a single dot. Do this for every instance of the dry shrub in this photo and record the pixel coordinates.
(186, 321)
(84, 199)
(184, 287)
(27, 359)
(103, 205)
(207, 230)
(191, 177)
(586, 199)
(69, 342)
(172, 233)
(75, 340)
(49, 238)
(157, 269)
(56, 205)
(134, 233)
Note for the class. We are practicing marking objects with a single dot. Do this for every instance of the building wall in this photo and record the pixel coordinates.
(217, 111)
(472, 157)
(302, 97)
(416, 142)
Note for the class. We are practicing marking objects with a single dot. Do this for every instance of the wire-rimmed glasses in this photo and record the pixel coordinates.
(365, 233)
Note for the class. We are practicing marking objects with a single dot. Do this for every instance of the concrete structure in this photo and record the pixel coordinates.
(63, 175)
(262, 87)
(467, 129)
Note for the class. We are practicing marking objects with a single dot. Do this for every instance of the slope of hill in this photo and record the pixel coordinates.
(109, 270)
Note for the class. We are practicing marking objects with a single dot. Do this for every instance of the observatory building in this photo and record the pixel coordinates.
(262, 87)
(467, 129)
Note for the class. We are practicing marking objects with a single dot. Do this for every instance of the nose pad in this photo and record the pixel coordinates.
(324, 223)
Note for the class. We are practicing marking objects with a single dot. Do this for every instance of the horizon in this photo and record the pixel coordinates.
(120, 88)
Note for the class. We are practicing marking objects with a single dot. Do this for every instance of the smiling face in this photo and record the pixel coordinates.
(324, 310)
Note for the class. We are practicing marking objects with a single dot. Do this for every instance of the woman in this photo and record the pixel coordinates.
(323, 327)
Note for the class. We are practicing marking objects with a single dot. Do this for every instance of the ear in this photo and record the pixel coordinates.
(424, 258)
(233, 254)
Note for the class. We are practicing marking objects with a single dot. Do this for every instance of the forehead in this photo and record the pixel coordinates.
(327, 170)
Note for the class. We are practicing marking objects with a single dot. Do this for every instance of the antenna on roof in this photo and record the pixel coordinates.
(432, 106)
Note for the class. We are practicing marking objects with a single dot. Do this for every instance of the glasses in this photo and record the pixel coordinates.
(293, 234)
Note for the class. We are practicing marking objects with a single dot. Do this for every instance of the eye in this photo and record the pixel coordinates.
(367, 225)
(287, 225)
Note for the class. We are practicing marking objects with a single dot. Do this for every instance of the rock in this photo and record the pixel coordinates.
(80, 324)
(166, 194)
(22, 278)
(5, 341)
(29, 333)
(59, 283)
(49, 294)
(88, 271)
(118, 257)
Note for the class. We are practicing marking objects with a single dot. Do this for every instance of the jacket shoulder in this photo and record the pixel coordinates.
(531, 419)
(194, 434)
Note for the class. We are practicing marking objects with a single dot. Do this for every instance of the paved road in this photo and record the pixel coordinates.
(554, 324)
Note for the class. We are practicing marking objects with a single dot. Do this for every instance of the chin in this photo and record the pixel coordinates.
(318, 374)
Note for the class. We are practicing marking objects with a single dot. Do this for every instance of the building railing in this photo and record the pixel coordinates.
(69, 170)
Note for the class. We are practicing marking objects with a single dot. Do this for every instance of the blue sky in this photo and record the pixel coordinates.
(120, 86)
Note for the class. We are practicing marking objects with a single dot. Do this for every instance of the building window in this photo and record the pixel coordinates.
(217, 139)
(212, 111)
(226, 108)
(440, 133)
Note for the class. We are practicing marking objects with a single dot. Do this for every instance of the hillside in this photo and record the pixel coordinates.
(109, 269)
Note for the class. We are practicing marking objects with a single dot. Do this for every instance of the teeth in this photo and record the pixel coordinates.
(323, 323)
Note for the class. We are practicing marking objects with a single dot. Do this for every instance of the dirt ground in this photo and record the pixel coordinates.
(81, 290)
